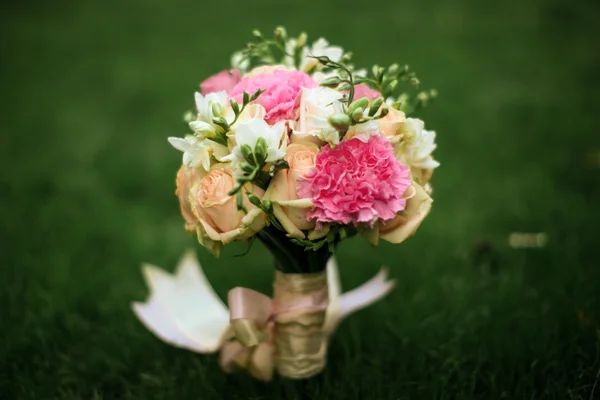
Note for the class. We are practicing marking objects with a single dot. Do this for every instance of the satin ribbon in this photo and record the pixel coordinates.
(244, 334)
(252, 325)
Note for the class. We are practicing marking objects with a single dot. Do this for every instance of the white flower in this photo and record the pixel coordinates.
(320, 48)
(417, 145)
(364, 131)
(198, 152)
(316, 106)
(210, 106)
(248, 132)
(203, 130)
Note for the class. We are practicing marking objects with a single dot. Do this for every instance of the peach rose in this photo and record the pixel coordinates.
(287, 207)
(186, 178)
(220, 222)
(407, 221)
(423, 176)
(391, 123)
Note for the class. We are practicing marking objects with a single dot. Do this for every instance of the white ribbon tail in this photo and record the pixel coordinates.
(183, 309)
(363, 296)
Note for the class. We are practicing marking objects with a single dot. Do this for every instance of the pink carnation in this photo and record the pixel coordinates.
(282, 93)
(224, 80)
(356, 183)
(363, 90)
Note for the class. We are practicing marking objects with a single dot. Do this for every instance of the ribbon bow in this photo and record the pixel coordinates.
(183, 310)
(252, 328)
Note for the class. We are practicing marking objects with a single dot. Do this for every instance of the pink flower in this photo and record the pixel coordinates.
(363, 90)
(282, 92)
(356, 183)
(223, 81)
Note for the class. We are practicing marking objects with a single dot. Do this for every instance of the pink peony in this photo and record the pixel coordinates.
(224, 80)
(282, 92)
(363, 90)
(356, 183)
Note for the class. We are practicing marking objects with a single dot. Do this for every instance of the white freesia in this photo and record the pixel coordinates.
(210, 106)
(248, 132)
(316, 106)
(416, 145)
(198, 152)
(203, 130)
(320, 48)
(364, 131)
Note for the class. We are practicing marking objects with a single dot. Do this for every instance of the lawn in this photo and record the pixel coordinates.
(90, 92)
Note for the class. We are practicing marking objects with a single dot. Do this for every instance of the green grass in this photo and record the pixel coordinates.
(91, 90)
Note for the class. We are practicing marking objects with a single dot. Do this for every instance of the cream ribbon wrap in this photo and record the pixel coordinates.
(288, 333)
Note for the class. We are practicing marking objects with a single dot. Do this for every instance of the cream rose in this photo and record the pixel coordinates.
(316, 106)
(390, 125)
(267, 69)
(407, 221)
(219, 220)
(186, 178)
(287, 207)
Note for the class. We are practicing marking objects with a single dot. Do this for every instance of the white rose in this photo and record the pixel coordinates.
(316, 106)
(416, 145)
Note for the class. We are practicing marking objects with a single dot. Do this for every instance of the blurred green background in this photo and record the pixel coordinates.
(90, 92)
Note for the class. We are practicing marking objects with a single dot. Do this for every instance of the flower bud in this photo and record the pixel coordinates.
(384, 111)
(375, 106)
(267, 206)
(247, 168)
(254, 199)
(393, 69)
(261, 150)
(393, 85)
(202, 128)
(360, 103)
(217, 109)
(375, 70)
(222, 123)
(234, 106)
(280, 33)
(239, 202)
(357, 114)
(188, 117)
(340, 121)
(256, 33)
(414, 81)
(247, 153)
(331, 82)
(302, 39)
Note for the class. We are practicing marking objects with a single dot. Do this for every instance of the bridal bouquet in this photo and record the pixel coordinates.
(300, 150)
